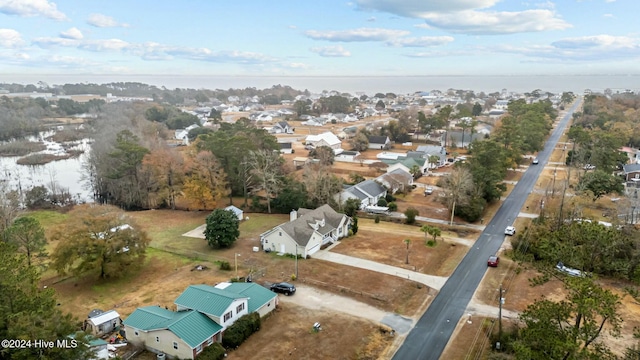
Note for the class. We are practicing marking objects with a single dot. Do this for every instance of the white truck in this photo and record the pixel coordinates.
(377, 209)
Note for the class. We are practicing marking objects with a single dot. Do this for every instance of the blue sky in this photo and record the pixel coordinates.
(319, 38)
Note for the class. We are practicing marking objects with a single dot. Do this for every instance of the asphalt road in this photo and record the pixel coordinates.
(431, 333)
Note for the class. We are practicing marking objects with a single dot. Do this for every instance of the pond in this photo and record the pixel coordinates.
(67, 174)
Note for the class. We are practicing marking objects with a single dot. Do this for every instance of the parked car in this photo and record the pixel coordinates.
(510, 230)
(535, 161)
(589, 167)
(284, 288)
(428, 190)
(493, 261)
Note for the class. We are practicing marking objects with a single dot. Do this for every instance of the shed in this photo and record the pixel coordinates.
(102, 323)
(238, 212)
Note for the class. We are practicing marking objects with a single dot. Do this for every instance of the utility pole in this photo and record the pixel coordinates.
(235, 257)
(296, 261)
(501, 301)
(407, 241)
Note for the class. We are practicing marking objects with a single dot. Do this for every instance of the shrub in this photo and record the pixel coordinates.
(411, 214)
(224, 265)
(214, 351)
(390, 198)
(240, 331)
(377, 219)
(382, 202)
(392, 206)
(431, 243)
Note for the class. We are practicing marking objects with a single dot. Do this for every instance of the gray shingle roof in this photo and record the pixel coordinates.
(378, 139)
(629, 168)
(300, 230)
(371, 188)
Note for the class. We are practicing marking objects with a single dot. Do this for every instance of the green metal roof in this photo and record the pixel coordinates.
(194, 328)
(190, 326)
(258, 295)
(207, 299)
(408, 162)
(148, 318)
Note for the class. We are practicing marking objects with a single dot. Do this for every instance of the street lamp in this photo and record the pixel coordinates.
(235, 258)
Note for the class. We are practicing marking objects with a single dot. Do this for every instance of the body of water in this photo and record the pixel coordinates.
(366, 84)
(65, 174)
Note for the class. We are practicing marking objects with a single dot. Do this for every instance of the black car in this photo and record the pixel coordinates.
(283, 287)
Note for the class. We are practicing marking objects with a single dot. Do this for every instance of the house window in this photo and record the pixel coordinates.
(136, 333)
(175, 346)
(240, 308)
(228, 316)
(637, 175)
(280, 233)
(157, 339)
(199, 349)
(210, 341)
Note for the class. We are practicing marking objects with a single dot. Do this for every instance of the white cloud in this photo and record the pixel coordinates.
(46, 42)
(578, 49)
(423, 26)
(73, 33)
(10, 38)
(105, 45)
(597, 41)
(418, 8)
(361, 34)
(489, 23)
(29, 8)
(104, 21)
(296, 65)
(423, 41)
(472, 16)
(608, 15)
(331, 51)
(609, 1)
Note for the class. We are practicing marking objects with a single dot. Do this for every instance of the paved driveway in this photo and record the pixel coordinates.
(432, 281)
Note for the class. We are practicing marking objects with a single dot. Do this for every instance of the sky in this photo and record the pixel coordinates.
(319, 38)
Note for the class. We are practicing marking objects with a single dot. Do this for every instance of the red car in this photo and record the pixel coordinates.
(493, 261)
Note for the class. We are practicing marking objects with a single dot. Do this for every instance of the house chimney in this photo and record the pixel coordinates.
(293, 215)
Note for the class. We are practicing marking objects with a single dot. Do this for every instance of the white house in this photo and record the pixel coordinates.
(325, 139)
(99, 323)
(306, 231)
(238, 212)
(347, 156)
(286, 148)
(281, 127)
(203, 313)
(368, 191)
(379, 142)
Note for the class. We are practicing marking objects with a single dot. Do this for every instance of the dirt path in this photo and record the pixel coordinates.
(477, 308)
(312, 298)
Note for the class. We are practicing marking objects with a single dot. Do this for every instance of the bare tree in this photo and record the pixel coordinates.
(266, 166)
(321, 184)
(457, 188)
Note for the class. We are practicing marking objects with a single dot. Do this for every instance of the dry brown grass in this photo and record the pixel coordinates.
(165, 275)
(390, 248)
(341, 337)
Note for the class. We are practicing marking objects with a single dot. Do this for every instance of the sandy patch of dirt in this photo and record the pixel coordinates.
(288, 333)
(390, 249)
